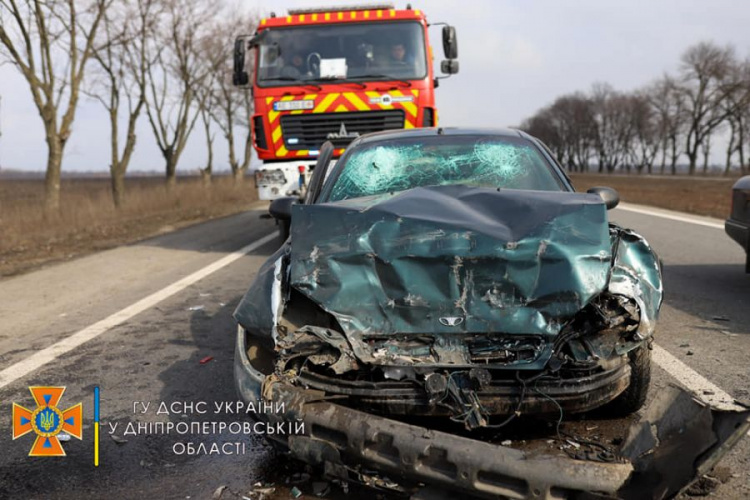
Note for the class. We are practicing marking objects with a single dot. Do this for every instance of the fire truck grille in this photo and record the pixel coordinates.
(310, 131)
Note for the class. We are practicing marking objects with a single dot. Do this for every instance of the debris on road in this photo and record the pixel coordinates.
(218, 492)
(298, 478)
(320, 488)
(196, 308)
(206, 360)
(296, 493)
(260, 492)
(117, 439)
(720, 318)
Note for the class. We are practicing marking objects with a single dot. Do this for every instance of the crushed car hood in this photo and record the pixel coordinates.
(451, 260)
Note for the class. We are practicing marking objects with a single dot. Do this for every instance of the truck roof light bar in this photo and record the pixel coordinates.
(341, 8)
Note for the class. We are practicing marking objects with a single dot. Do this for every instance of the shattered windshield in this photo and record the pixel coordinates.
(401, 164)
(358, 51)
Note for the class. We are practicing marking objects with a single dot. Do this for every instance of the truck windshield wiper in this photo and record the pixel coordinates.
(356, 79)
(381, 76)
(293, 79)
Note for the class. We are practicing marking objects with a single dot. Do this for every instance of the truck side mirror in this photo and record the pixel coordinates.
(240, 76)
(449, 66)
(610, 197)
(450, 42)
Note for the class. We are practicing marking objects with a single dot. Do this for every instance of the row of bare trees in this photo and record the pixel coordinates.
(655, 128)
(169, 60)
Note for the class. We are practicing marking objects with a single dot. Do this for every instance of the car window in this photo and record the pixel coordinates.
(400, 164)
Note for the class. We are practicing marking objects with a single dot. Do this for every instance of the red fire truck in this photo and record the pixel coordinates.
(333, 74)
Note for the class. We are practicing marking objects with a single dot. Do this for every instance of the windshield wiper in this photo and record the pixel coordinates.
(381, 76)
(292, 79)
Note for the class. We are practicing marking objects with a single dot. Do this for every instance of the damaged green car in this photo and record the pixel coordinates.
(452, 274)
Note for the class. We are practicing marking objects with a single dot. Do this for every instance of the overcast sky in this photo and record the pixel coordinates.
(515, 56)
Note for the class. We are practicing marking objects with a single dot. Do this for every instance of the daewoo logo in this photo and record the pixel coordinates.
(451, 320)
(342, 133)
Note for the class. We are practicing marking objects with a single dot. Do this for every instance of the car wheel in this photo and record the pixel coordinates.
(634, 397)
(284, 227)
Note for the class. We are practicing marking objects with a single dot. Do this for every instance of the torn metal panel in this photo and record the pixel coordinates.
(259, 309)
(676, 441)
(341, 438)
(636, 273)
(516, 262)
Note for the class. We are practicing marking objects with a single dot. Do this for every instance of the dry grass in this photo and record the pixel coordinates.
(88, 220)
(701, 196)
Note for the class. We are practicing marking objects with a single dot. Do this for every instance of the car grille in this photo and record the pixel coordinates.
(310, 131)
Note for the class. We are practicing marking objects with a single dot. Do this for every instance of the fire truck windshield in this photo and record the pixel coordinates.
(354, 51)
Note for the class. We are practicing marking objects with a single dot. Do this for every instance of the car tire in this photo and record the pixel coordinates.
(634, 397)
(284, 227)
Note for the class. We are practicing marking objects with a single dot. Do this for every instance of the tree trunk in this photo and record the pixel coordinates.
(117, 175)
(706, 154)
(208, 170)
(239, 176)
(206, 177)
(52, 177)
(730, 150)
(171, 171)
(692, 160)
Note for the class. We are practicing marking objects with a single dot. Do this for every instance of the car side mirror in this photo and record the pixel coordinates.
(610, 197)
(281, 208)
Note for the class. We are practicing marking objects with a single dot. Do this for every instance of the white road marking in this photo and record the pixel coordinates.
(672, 215)
(41, 358)
(704, 389)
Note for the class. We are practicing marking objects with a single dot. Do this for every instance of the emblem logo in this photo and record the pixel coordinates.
(342, 133)
(451, 320)
(47, 421)
(388, 99)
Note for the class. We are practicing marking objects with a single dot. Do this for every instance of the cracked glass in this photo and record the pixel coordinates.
(398, 165)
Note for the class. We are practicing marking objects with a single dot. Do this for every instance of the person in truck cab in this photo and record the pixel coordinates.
(295, 68)
(398, 54)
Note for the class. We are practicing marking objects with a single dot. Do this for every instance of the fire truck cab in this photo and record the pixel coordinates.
(333, 74)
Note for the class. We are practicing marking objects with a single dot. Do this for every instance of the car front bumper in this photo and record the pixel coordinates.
(739, 232)
(678, 439)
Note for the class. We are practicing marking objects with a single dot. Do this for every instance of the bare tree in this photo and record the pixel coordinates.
(175, 71)
(646, 139)
(231, 107)
(122, 57)
(50, 42)
(669, 104)
(705, 69)
(205, 90)
(567, 128)
(737, 107)
(614, 126)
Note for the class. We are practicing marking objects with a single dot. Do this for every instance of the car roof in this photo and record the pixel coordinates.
(437, 131)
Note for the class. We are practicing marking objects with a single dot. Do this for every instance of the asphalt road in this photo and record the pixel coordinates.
(153, 352)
